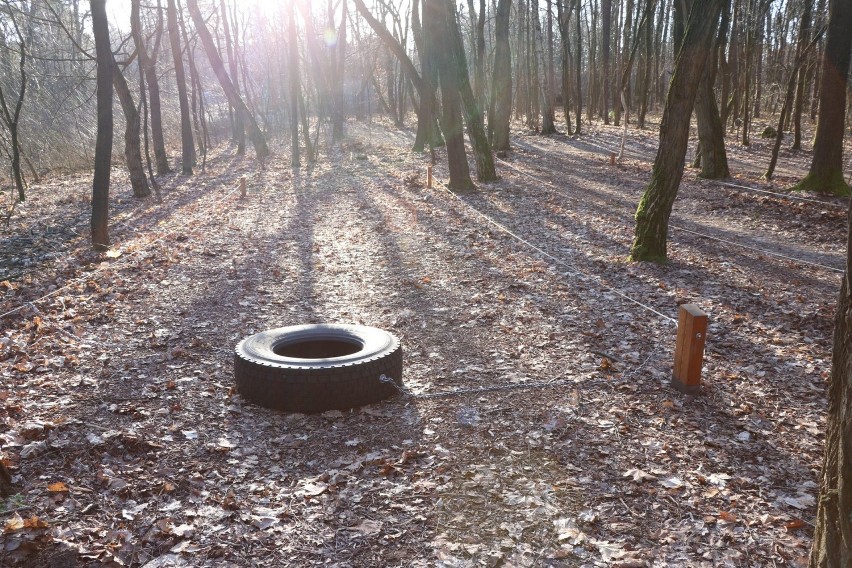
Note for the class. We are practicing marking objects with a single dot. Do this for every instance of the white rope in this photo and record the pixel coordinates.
(782, 195)
(556, 260)
(778, 254)
(733, 243)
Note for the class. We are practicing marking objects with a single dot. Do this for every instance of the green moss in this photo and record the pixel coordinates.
(829, 185)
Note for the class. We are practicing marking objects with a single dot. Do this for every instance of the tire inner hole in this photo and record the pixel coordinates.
(317, 349)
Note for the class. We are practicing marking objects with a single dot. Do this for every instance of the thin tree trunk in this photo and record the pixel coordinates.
(436, 32)
(148, 64)
(187, 142)
(578, 69)
(295, 88)
(606, 42)
(239, 133)
(804, 39)
(103, 141)
(257, 138)
(711, 131)
(132, 148)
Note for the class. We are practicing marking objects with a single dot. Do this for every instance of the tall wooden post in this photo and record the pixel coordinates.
(689, 350)
(429, 176)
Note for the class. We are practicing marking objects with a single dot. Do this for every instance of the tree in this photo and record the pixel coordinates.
(501, 82)
(295, 86)
(11, 118)
(148, 64)
(606, 42)
(826, 172)
(103, 144)
(239, 127)
(427, 132)
(187, 142)
(436, 31)
(132, 149)
(457, 64)
(258, 140)
(711, 131)
(652, 215)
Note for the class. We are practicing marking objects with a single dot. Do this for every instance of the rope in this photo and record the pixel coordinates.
(733, 243)
(556, 260)
(117, 264)
(782, 195)
(778, 254)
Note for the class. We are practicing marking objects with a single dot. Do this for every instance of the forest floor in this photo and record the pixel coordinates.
(129, 446)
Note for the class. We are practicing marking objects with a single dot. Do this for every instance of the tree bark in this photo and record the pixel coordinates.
(472, 113)
(804, 39)
(187, 142)
(239, 133)
(132, 131)
(711, 132)
(826, 172)
(295, 88)
(436, 34)
(501, 82)
(652, 215)
(258, 140)
(148, 63)
(12, 118)
(606, 37)
(103, 141)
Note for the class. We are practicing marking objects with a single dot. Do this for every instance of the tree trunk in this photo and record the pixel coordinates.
(339, 113)
(103, 141)
(295, 88)
(187, 142)
(435, 20)
(606, 37)
(711, 132)
(578, 67)
(501, 82)
(826, 173)
(11, 118)
(239, 133)
(148, 63)
(132, 130)
(652, 215)
(804, 39)
(258, 140)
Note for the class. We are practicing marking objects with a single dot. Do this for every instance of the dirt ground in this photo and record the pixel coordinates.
(129, 447)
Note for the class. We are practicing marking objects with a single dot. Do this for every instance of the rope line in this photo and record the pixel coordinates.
(778, 254)
(555, 259)
(117, 264)
(733, 243)
(782, 195)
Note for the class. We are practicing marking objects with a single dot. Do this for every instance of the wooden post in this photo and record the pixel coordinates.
(429, 176)
(243, 187)
(612, 158)
(689, 350)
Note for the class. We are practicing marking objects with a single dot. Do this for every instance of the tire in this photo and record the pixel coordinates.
(314, 368)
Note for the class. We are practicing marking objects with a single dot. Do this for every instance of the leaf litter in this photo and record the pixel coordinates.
(129, 446)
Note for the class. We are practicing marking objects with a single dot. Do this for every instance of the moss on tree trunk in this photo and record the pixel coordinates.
(826, 173)
(652, 215)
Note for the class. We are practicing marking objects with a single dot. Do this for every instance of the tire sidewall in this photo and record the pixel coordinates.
(260, 347)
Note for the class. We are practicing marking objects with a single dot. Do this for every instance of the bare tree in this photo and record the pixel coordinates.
(103, 145)
(11, 118)
(187, 142)
(652, 215)
(258, 140)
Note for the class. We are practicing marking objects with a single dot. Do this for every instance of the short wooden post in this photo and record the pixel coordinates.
(612, 158)
(689, 350)
(243, 187)
(429, 176)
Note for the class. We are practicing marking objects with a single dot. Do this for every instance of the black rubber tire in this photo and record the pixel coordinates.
(312, 383)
